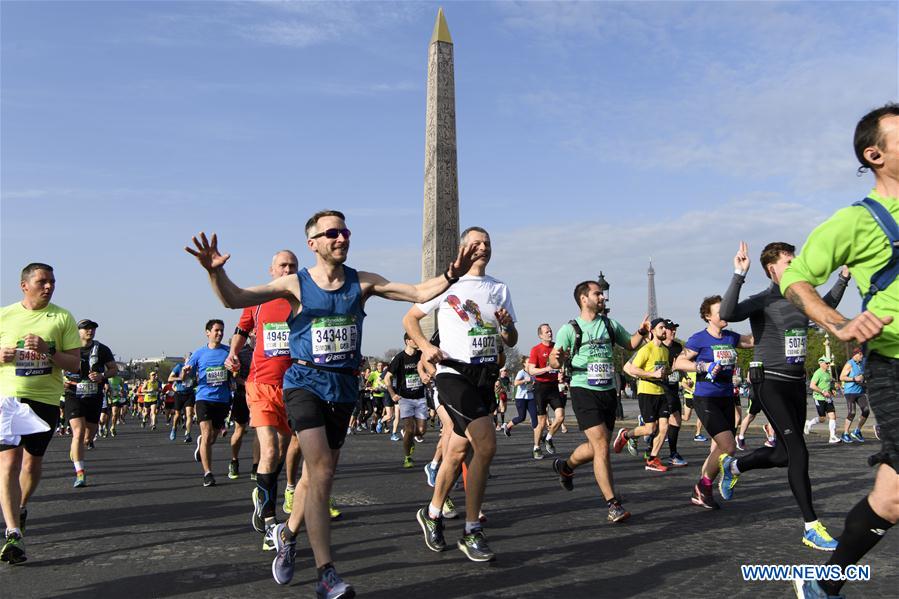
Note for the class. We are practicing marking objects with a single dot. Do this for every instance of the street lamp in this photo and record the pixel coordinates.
(604, 289)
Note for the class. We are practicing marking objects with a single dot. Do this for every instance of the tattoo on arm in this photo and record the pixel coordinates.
(795, 299)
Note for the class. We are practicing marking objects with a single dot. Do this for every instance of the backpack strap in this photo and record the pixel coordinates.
(578, 339)
(884, 277)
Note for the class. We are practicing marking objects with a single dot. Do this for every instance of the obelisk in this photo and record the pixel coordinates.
(652, 307)
(440, 229)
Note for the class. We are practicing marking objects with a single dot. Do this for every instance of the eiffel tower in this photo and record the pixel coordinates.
(652, 307)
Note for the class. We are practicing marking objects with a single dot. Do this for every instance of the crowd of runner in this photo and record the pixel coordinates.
(294, 372)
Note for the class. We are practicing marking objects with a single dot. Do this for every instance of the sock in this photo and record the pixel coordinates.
(207, 472)
(435, 464)
(611, 502)
(322, 569)
(863, 530)
(810, 525)
(434, 512)
(266, 484)
(705, 481)
(832, 426)
(471, 527)
(288, 487)
(811, 423)
(673, 433)
(79, 467)
(549, 437)
(255, 467)
(536, 447)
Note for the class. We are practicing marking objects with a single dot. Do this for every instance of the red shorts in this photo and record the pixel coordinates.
(266, 403)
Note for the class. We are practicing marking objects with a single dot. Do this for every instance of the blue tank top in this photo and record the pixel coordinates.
(855, 369)
(327, 332)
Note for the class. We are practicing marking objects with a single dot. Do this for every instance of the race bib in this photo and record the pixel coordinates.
(725, 355)
(276, 337)
(413, 381)
(795, 345)
(32, 363)
(216, 375)
(86, 389)
(334, 338)
(600, 372)
(482, 345)
(674, 377)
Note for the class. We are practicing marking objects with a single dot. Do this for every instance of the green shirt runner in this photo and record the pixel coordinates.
(593, 367)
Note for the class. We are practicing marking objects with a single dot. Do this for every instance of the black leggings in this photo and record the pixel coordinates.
(783, 403)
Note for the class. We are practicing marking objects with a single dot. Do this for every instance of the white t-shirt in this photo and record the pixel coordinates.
(466, 318)
(525, 391)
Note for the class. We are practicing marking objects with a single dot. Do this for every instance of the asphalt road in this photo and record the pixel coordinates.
(146, 527)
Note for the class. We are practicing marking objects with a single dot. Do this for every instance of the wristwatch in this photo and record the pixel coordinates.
(52, 350)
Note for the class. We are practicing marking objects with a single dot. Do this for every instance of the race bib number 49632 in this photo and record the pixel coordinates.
(334, 338)
(276, 341)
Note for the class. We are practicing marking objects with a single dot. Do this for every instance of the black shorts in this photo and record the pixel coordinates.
(216, 411)
(594, 407)
(184, 399)
(755, 406)
(882, 375)
(36, 443)
(306, 410)
(547, 395)
(653, 407)
(715, 413)
(84, 407)
(688, 402)
(377, 402)
(464, 401)
(673, 399)
(388, 401)
(240, 413)
(823, 407)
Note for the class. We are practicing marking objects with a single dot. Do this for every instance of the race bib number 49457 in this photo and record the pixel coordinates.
(334, 338)
(276, 341)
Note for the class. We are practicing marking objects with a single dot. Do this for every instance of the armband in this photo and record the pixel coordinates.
(241, 332)
(449, 279)
(702, 367)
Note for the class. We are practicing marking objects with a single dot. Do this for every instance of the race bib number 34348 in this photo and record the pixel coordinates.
(333, 338)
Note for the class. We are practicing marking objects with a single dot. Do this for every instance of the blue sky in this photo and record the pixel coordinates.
(592, 136)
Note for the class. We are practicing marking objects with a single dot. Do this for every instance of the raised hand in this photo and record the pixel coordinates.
(464, 259)
(844, 272)
(645, 326)
(741, 259)
(207, 252)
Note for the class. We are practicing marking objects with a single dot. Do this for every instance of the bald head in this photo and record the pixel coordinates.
(283, 263)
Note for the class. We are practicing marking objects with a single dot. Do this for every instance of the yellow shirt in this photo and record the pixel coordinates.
(650, 358)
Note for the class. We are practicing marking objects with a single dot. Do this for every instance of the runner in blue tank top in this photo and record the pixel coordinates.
(853, 378)
(327, 310)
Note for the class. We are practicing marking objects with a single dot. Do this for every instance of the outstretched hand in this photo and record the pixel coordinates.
(741, 260)
(464, 259)
(863, 327)
(207, 252)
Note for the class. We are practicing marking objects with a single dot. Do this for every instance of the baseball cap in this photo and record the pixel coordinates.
(670, 324)
(824, 359)
(87, 323)
(857, 350)
(655, 322)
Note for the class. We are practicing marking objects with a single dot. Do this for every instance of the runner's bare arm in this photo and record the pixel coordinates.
(69, 359)
(685, 362)
(641, 333)
(412, 324)
(844, 374)
(375, 284)
(232, 296)
(860, 329)
(746, 342)
(639, 373)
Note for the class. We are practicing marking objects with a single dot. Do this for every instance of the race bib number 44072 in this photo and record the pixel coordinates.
(483, 346)
(334, 338)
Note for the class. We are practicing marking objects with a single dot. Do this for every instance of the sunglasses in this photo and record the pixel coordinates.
(332, 234)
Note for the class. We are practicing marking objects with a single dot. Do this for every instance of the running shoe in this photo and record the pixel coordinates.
(113, 433)
(379, 427)
(700, 438)
(333, 512)
(474, 546)
(173, 434)
(332, 586)
(617, 513)
(646, 456)
(620, 440)
(807, 428)
(728, 479)
(197, 450)
(845, 438)
(13, 551)
(188, 438)
(819, 538)
(676, 461)
(771, 442)
(407, 462)
(90, 444)
(419, 439)
(810, 589)
(449, 509)
(257, 521)
(288, 500)
(703, 498)
(80, 481)
(285, 558)
(566, 479)
(537, 453)
(741, 443)
(153, 428)
(395, 437)
(268, 540)
(548, 447)
(507, 430)
(833, 439)
(877, 432)
(208, 480)
(234, 470)
(431, 474)
(655, 465)
(857, 436)
(432, 529)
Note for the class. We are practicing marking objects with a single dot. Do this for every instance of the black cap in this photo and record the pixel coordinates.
(655, 322)
(670, 324)
(87, 323)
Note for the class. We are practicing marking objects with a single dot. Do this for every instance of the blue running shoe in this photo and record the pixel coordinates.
(431, 473)
(395, 437)
(379, 427)
(700, 438)
(857, 436)
(809, 589)
(332, 586)
(172, 435)
(285, 557)
(728, 480)
(819, 538)
(677, 461)
(845, 438)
